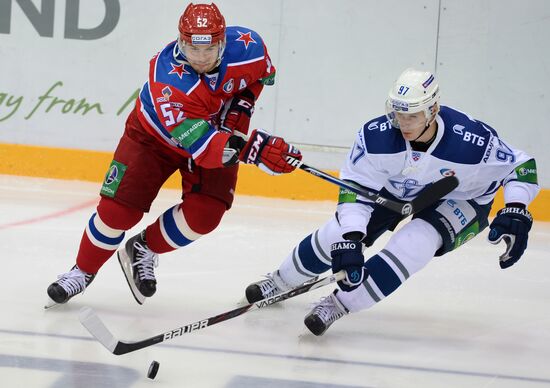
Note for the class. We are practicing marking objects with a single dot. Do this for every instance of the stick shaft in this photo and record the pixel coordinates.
(432, 193)
(91, 321)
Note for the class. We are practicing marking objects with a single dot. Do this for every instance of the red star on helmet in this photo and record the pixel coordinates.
(245, 38)
(178, 69)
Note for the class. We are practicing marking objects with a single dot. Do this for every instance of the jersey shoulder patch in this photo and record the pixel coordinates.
(465, 140)
(381, 138)
(242, 45)
(169, 71)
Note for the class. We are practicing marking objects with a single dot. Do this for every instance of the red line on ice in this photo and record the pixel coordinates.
(50, 216)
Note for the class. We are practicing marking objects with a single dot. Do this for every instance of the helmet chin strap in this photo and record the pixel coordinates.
(423, 132)
(425, 129)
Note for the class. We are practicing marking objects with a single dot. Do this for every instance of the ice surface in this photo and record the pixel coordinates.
(461, 322)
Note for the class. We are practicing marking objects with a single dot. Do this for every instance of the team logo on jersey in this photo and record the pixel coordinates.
(179, 70)
(167, 92)
(447, 172)
(416, 156)
(245, 38)
(409, 187)
(228, 86)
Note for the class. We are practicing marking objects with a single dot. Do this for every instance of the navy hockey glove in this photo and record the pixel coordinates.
(269, 153)
(348, 256)
(512, 224)
(237, 116)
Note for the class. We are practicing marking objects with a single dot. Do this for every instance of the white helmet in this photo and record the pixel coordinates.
(414, 91)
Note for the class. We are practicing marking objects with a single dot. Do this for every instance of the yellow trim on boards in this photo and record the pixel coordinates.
(61, 163)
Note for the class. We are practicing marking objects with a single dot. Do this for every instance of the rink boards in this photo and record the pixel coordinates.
(91, 166)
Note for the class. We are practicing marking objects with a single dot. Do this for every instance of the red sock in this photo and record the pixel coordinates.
(182, 224)
(104, 233)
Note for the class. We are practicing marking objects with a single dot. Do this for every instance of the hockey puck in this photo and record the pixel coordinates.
(153, 369)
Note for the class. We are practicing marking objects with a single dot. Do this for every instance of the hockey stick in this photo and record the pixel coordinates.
(432, 193)
(91, 321)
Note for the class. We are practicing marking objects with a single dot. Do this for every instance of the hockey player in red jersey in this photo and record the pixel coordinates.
(192, 115)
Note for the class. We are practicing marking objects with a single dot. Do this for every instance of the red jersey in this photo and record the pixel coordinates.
(181, 108)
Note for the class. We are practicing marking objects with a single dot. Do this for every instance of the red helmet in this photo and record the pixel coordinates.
(202, 24)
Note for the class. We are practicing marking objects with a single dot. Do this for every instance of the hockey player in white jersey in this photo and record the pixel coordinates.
(416, 143)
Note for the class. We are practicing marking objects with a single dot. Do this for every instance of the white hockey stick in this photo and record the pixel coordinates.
(91, 321)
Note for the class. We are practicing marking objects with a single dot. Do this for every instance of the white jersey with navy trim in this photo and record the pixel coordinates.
(467, 148)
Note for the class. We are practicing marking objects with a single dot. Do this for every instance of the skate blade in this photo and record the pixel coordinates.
(126, 266)
(50, 303)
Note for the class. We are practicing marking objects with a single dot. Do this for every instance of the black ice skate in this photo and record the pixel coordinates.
(137, 262)
(68, 285)
(324, 314)
(272, 285)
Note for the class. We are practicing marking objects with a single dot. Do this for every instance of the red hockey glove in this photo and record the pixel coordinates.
(269, 153)
(237, 116)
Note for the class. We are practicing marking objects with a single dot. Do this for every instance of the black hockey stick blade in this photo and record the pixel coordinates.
(433, 193)
(429, 195)
(91, 321)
